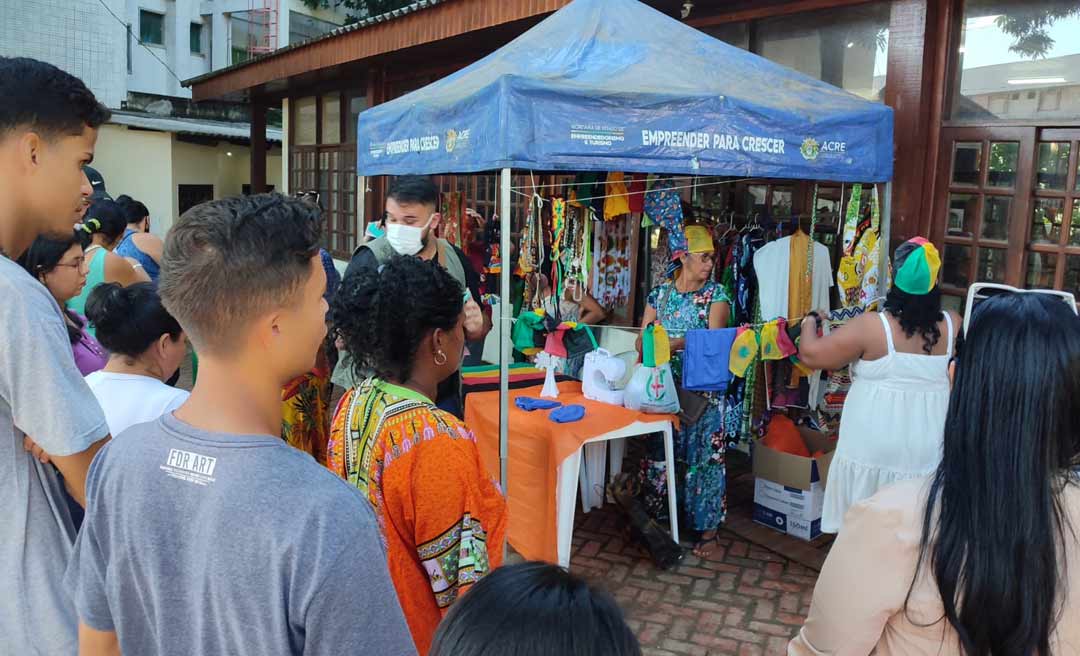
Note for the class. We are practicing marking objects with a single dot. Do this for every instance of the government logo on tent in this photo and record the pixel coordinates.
(810, 149)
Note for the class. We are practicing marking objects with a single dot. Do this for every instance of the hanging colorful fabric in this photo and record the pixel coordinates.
(664, 206)
(637, 193)
(743, 351)
(655, 346)
(617, 202)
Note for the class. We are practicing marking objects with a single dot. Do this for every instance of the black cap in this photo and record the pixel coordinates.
(97, 183)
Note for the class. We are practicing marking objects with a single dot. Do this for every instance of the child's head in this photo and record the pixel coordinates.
(244, 279)
(48, 128)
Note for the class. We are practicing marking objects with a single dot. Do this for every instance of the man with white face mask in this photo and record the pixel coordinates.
(411, 223)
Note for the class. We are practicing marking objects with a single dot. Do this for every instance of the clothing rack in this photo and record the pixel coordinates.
(517, 190)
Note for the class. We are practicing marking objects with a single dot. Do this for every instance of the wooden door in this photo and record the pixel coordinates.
(1052, 222)
(983, 206)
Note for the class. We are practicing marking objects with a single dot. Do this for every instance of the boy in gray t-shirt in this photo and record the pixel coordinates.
(204, 532)
(48, 129)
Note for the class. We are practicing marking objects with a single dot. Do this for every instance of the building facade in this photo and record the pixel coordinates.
(986, 95)
(160, 147)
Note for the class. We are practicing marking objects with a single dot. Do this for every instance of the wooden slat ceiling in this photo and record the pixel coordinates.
(445, 20)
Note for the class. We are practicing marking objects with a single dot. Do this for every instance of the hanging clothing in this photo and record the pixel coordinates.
(700, 447)
(442, 519)
(637, 193)
(892, 425)
(774, 267)
(617, 202)
(706, 359)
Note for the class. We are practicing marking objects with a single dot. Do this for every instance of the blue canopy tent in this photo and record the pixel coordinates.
(614, 85)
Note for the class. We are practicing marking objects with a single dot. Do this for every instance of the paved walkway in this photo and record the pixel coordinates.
(745, 599)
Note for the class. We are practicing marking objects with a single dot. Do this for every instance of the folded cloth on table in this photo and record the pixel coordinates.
(567, 414)
(528, 404)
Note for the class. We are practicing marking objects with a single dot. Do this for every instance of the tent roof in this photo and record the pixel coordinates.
(609, 85)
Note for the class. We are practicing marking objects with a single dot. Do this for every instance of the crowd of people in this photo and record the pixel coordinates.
(246, 518)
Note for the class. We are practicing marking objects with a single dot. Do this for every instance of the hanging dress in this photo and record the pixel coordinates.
(892, 425)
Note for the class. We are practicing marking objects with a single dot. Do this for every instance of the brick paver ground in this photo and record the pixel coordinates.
(745, 599)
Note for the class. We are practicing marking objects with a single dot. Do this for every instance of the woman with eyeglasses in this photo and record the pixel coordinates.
(692, 301)
(60, 265)
(894, 415)
(983, 556)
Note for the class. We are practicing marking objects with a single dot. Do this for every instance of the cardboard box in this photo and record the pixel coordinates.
(789, 490)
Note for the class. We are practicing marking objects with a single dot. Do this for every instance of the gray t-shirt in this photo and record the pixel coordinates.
(43, 395)
(207, 543)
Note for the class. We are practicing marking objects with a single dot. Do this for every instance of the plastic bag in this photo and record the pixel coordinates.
(652, 390)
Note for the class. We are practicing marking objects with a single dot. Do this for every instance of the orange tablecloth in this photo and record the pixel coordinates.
(537, 448)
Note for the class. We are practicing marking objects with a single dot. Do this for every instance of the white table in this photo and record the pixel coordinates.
(588, 474)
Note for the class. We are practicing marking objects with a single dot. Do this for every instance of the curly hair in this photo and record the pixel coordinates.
(383, 314)
(917, 313)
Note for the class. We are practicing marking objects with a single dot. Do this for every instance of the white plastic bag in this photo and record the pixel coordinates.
(652, 390)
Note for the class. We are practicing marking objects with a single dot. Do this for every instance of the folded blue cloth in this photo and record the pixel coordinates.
(567, 414)
(706, 359)
(528, 405)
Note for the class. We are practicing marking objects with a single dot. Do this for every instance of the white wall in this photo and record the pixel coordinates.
(137, 163)
(148, 75)
(150, 165)
(78, 36)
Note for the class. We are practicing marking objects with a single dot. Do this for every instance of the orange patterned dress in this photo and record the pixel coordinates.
(443, 519)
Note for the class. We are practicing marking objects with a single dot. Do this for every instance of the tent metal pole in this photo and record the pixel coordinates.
(506, 308)
(885, 235)
(361, 206)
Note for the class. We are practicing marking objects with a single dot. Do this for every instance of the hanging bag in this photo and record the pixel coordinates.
(652, 387)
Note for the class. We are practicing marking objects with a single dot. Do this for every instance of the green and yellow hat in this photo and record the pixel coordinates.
(917, 266)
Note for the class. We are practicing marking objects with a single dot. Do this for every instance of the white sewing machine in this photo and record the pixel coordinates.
(603, 377)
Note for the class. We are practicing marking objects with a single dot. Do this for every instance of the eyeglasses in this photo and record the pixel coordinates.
(706, 257)
(981, 291)
(310, 196)
(78, 264)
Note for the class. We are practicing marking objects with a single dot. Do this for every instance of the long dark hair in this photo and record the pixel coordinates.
(128, 320)
(43, 256)
(917, 313)
(994, 525)
(383, 314)
(534, 609)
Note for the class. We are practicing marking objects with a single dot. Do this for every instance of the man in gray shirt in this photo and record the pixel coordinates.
(205, 533)
(48, 129)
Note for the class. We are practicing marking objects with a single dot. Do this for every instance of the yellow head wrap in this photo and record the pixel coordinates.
(698, 240)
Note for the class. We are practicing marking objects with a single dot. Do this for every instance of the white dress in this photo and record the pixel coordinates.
(891, 428)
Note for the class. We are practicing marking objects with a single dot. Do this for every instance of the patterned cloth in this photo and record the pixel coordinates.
(305, 417)
(700, 447)
(442, 519)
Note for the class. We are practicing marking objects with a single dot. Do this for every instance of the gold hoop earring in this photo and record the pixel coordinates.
(437, 356)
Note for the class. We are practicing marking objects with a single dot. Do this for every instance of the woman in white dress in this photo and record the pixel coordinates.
(893, 420)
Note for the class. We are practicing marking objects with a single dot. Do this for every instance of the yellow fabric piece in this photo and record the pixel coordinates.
(743, 352)
(661, 346)
(617, 202)
(770, 348)
(698, 240)
(800, 286)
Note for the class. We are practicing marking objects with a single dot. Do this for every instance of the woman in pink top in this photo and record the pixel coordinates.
(60, 265)
(983, 557)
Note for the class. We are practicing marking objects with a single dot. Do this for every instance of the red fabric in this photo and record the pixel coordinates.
(637, 193)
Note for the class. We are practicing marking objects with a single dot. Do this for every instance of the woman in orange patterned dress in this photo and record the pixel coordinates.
(442, 517)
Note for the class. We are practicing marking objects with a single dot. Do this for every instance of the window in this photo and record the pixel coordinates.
(196, 39)
(1024, 50)
(304, 28)
(847, 47)
(303, 130)
(331, 119)
(190, 195)
(151, 28)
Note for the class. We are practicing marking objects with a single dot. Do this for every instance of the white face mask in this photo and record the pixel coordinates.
(406, 239)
